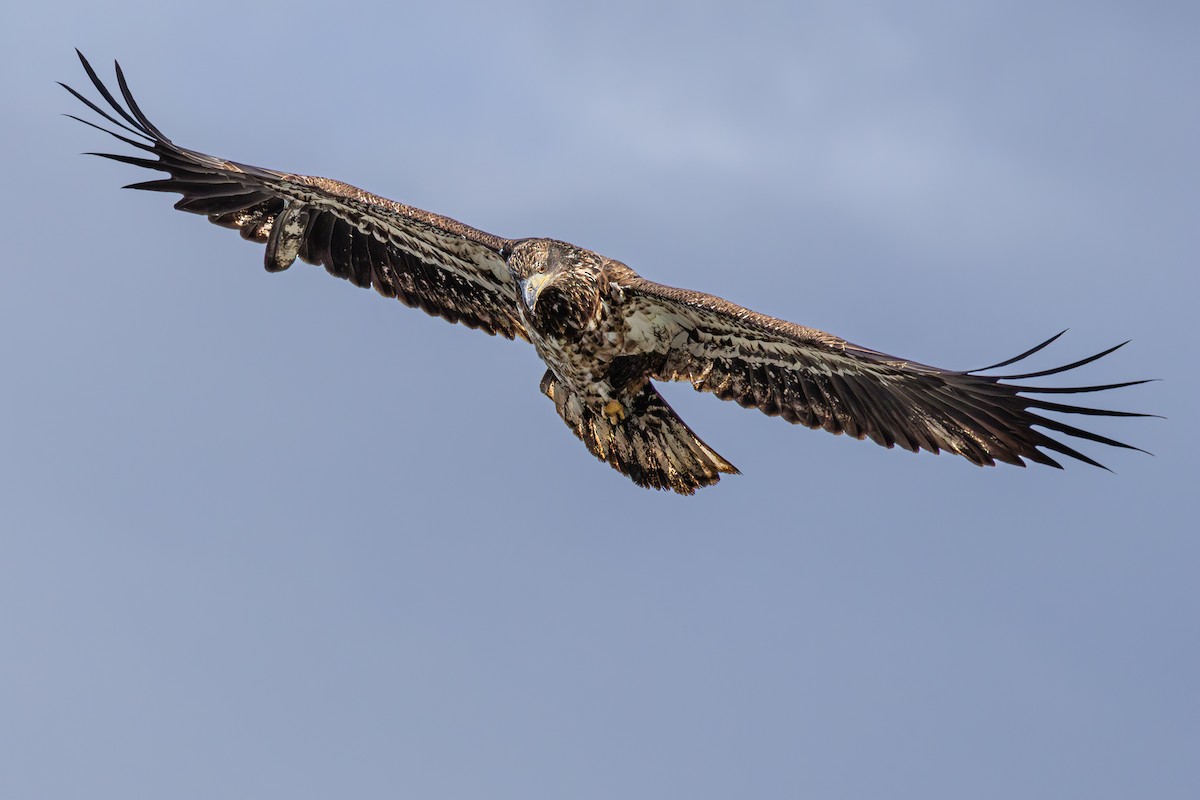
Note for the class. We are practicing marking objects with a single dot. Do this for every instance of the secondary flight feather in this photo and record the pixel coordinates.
(606, 333)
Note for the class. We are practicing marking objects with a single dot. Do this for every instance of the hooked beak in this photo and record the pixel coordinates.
(531, 287)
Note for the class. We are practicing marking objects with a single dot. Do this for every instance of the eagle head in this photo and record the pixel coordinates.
(559, 285)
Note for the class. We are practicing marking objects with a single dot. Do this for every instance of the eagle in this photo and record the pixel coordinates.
(605, 333)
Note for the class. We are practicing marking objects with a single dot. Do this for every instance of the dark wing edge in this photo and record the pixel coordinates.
(425, 260)
(815, 379)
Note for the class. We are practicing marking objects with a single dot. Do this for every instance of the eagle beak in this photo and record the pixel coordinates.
(531, 287)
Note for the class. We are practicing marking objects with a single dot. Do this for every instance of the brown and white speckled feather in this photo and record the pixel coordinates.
(605, 332)
(650, 443)
(813, 378)
(428, 261)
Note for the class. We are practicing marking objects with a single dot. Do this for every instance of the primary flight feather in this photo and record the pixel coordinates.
(604, 332)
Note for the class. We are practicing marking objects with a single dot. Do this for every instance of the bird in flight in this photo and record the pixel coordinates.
(605, 333)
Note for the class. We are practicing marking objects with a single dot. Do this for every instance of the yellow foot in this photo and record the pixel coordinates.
(614, 411)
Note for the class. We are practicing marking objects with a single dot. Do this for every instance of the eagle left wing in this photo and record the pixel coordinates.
(816, 379)
(435, 263)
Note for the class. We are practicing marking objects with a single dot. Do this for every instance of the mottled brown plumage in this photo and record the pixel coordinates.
(605, 332)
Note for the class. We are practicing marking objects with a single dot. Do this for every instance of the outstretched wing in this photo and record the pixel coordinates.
(435, 263)
(813, 378)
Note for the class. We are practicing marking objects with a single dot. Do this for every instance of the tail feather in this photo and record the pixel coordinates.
(651, 444)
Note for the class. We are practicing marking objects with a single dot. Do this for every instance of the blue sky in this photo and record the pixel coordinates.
(271, 535)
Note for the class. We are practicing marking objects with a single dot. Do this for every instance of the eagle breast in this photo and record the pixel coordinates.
(572, 312)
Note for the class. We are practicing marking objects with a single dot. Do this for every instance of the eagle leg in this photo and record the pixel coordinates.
(614, 412)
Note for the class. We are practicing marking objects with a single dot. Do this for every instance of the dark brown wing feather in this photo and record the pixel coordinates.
(434, 263)
(813, 378)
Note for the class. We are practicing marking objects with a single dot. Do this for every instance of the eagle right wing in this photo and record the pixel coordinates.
(813, 378)
(431, 262)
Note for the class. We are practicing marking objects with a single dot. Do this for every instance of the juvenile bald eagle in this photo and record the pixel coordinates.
(604, 332)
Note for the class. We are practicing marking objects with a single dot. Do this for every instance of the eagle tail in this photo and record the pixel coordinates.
(645, 440)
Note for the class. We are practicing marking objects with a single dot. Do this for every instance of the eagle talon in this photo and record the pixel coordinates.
(614, 411)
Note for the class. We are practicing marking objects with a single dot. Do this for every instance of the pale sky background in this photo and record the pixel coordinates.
(274, 536)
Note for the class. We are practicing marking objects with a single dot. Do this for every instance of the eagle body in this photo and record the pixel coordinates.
(605, 333)
(602, 346)
(566, 306)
